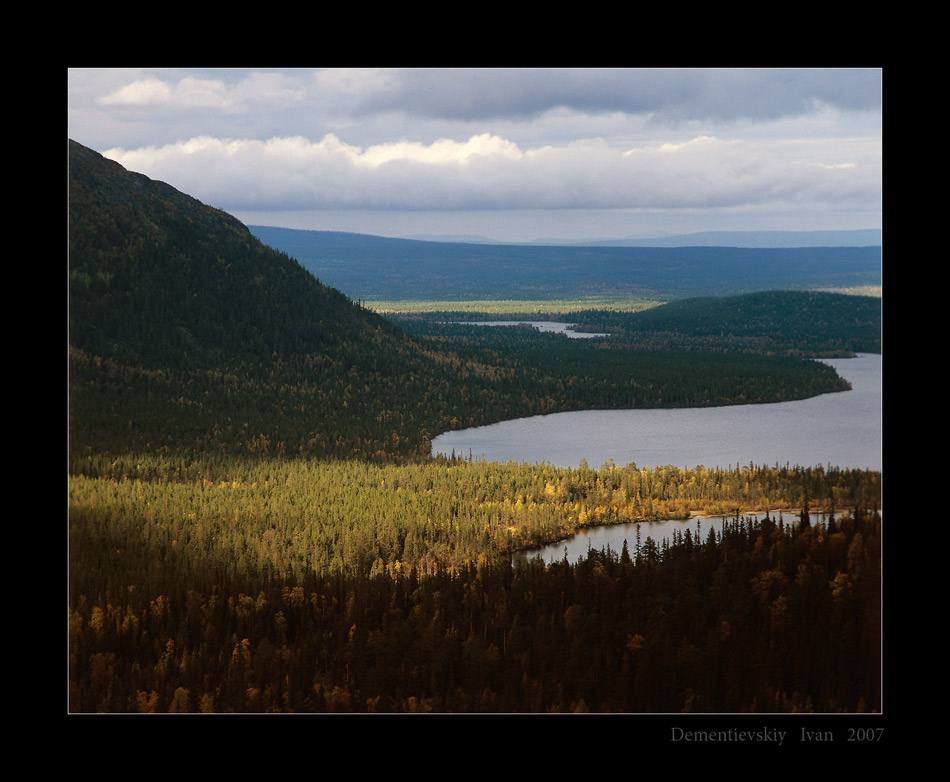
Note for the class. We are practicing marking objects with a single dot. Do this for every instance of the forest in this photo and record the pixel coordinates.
(255, 523)
(210, 597)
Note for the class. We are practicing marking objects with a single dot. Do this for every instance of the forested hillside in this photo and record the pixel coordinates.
(159, 279)
(805, 323)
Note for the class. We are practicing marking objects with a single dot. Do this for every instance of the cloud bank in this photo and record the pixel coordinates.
(667, 95)
(490, 172)
(475, 140)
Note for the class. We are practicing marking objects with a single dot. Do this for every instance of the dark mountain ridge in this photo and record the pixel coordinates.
(185, 331)
(158, 277)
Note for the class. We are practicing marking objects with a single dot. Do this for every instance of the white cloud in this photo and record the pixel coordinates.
(441, 152)
(487, 171)
(192, 92)
(141, 92)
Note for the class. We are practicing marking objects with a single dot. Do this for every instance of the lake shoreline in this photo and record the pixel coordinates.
(840, 428)
(775, 515)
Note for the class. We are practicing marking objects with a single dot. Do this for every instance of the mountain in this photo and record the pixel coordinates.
(379, 268)
(159, 278)
(185, 331)
(859, 238)
(871, 237)
(458, 238)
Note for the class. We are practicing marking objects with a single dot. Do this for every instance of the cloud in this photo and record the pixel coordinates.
(193, 92)
(665, 95)
(142, 92)
(487, 171)
(475, 141)
(441, 152)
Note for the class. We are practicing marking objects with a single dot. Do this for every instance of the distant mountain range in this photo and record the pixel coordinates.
(380, 268)
(859, 238)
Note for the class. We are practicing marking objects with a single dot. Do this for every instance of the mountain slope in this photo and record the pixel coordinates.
(158, 277)
(186, 332)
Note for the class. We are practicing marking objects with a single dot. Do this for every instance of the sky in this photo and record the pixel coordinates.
(507, 154)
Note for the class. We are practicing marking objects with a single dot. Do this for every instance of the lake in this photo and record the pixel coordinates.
(842, 429)
(540, 325)
(613, 536)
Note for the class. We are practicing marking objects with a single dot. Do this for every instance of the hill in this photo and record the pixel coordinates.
(858, 238)
(871, 237)
(159, 278)
(789, 322)
(186, 331)
(373, 267)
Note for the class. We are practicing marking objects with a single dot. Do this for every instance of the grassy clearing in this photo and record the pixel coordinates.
(543, 307)
(518, 307)
(861, 290)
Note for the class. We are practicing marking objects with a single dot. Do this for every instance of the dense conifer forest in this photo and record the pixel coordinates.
(255, 524)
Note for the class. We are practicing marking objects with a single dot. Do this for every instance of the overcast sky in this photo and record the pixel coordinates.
(513, 155)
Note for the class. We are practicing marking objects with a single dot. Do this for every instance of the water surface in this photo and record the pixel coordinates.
(841, 429)
(540, 325)
(613, 537)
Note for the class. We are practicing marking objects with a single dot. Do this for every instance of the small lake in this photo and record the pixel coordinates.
(540, 325)
(612, 537)
(842, 429)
